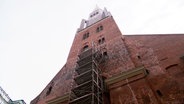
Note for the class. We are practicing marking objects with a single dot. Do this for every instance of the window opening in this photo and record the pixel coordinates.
(103, 40)
(159, 93)
(49, 91)
(86, 35)
(105, 53)
(99, 41)
(85, 48)
(100, 28)
(147, 71)
(139, 57)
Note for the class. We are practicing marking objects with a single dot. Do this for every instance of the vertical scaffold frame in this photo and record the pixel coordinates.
(88, 87)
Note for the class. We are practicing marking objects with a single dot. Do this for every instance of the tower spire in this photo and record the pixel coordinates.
(96, 15)
(97, 7)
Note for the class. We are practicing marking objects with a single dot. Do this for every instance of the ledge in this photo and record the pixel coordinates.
(59, 100)
(131, 75)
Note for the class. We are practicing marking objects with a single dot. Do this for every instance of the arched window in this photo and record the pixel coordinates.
(100, 28)
(85, 48)
(101, 41)
(86, 35)
(105, 53)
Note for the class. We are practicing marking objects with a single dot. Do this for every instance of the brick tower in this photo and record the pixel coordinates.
(105, 67)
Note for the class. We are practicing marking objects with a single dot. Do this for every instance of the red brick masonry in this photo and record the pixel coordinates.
(161, 55)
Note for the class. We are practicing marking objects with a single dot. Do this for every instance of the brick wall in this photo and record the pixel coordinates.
(159, 54)
(163, 56)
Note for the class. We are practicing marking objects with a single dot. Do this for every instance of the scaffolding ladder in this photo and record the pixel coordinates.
(88, 88)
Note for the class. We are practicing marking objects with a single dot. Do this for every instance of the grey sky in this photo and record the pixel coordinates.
(36, 35)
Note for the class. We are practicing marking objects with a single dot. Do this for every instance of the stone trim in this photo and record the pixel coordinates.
(59, 100)
(121, 79)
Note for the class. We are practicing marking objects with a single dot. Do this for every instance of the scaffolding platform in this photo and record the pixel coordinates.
(88, 87)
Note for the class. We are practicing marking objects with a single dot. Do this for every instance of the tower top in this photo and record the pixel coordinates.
(96, 15)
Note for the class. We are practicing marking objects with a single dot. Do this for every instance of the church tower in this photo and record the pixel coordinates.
(99, 32)
(105, 67)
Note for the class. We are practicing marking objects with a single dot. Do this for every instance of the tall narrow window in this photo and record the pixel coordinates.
(99, 41)
(103, 40)
(105, 55)
(159, 93)
(87, 34)
(101, 27)
(49, 91)
(98, 29)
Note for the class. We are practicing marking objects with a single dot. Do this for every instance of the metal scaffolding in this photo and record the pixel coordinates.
(88, 81)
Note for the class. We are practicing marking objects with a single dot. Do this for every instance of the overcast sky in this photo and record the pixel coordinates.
(36, 35)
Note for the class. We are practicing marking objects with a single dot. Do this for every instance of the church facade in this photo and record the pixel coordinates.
(106, 67)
